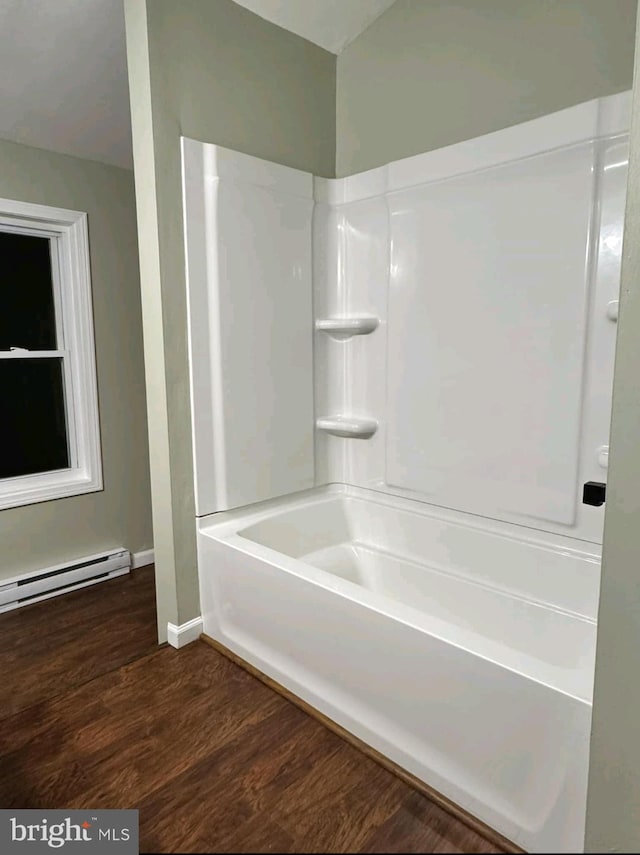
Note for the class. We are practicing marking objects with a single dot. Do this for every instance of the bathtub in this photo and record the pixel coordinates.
(460, 651)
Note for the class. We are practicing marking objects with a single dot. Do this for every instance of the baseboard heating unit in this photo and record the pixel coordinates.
(51, 581)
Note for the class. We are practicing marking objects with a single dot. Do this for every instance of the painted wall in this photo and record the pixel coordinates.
(613, 818)
(36, 536)
(429, 73)
(215, 72)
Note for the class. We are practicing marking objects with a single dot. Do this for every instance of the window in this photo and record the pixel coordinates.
(49, 436)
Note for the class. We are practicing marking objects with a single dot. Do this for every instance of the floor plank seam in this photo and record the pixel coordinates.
(63, 692)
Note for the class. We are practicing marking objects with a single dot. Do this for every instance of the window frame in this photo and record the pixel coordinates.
(71, 280)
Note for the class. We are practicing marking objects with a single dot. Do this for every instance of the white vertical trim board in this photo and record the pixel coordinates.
(141, 559)
(185, 633)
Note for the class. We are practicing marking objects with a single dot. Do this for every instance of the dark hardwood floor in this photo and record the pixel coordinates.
(96, 715)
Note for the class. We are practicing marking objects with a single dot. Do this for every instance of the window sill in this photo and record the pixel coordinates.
(31, 489)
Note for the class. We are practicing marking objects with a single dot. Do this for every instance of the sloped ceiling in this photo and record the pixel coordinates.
(63, 67)
(332, 24)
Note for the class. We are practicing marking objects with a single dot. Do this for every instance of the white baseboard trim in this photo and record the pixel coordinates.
(180, 636)
(141, 559)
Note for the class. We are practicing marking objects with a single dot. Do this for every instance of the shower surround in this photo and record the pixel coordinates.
(401, 382)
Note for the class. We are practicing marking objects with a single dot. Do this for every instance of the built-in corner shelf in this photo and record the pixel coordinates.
(349, 426)
(343, 328)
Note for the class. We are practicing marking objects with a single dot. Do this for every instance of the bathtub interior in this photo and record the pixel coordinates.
(343, 534)
(523, 602)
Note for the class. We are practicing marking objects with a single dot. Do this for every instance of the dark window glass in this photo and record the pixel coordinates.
(27, 318)
(33, 431)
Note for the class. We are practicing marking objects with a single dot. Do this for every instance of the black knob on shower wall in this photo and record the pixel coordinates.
(594, 493)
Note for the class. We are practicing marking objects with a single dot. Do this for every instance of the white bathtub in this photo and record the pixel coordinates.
(460, 651)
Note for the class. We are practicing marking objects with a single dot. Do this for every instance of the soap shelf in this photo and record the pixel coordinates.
(348, 426)
(343, 328)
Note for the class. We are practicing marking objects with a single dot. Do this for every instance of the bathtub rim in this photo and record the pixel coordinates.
(219, 523)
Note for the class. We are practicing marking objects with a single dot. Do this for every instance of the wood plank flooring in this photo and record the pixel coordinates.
(95, 714)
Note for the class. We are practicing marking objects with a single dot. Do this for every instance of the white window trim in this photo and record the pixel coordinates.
(72, 298)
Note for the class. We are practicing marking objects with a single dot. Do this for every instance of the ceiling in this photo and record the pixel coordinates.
(332, 24)
(63, 77)
(63, 68)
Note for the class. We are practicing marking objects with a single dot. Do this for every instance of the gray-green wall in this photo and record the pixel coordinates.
(216, 72)
(428, 73)
(36, 536)
(613, 812)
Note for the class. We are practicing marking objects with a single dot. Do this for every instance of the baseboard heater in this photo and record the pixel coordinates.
(62, 578)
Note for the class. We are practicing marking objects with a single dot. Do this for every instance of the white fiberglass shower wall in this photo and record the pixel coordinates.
(401, 383)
